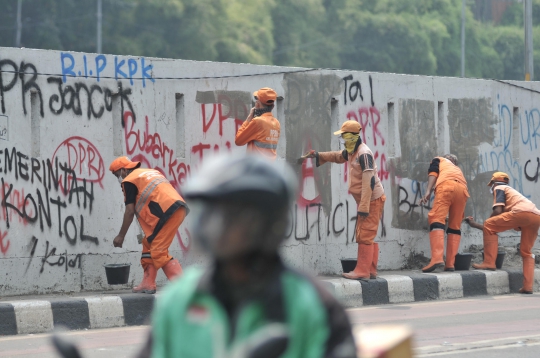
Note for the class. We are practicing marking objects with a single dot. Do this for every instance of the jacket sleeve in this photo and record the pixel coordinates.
(333, 157)
(247, 132)
(368, 182)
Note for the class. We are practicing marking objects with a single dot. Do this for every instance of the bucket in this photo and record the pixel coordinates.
(348, 265)
(500, 259)
(117, 274)
(463, 262)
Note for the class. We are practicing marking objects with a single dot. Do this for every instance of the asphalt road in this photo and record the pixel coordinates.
(501, 326)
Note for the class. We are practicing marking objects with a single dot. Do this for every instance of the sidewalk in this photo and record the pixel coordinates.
(87, 310)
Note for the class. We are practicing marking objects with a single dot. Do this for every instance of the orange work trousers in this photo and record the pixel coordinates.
(450, 200)
(367, 226)
(527, 222)
(157, 252)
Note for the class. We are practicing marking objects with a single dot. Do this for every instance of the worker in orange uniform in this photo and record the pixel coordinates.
(260, 131)
(159, 209)
(511, 210)
(451, 196)
(366, 189)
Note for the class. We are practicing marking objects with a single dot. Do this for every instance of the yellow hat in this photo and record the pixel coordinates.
(499, 176)
(349, 127)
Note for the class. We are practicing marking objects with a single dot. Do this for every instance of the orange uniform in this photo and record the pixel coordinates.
(160, 210)
(450, 196)
(364, 186)
(450, 200)
(521, 214)
(261, 135)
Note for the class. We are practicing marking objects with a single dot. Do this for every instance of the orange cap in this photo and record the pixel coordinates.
(266, 96)
(349, 127)
(499, 176)
(123, 162)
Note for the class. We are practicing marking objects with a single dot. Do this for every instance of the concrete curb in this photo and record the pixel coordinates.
(415, 287)
(128, 309)
(75, 313)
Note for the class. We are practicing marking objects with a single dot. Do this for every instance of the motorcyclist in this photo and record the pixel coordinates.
(247, 295)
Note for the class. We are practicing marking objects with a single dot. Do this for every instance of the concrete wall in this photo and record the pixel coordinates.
(65, 116)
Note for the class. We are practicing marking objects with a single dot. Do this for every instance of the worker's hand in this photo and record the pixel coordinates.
(118, 241)
(251, 114)
(425, 199)
(469, 220)
(310, 154)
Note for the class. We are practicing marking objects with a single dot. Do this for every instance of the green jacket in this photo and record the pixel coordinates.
(189, 321)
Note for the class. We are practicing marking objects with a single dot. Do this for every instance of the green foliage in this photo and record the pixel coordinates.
(414, 37)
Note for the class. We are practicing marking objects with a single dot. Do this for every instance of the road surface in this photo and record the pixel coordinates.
(500, 326)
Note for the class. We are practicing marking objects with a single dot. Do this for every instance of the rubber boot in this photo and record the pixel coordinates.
(148, 284)
(436, 240)
(528, 275)
(172, 269)
(452, 247)
(363, 263)
(374, 261)
(491, 247)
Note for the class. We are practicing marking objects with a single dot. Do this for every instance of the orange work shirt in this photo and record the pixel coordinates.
(512, 200)
(261, 135)
(443, 169)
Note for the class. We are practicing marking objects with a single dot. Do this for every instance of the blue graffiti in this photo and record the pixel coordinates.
(530, 130)
(131, 72)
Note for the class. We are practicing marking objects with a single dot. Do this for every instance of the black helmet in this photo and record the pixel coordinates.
(246, 192)
(247, 179)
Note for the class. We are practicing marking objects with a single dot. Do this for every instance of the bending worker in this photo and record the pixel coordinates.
(450, 199)
(366, 189)
(511, 210)
(247, 303)
(159, 209)
(260, 131)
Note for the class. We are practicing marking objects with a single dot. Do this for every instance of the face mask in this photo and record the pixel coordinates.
(350, 141)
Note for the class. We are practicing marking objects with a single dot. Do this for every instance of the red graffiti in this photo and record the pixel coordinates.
(237, 110)
(150, 147)
(18, 199)
(83, 158)
(308, 174)
(202, 147)
(364, 116)
(4, 247)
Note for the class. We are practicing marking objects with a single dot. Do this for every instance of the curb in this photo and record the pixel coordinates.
(41, 316)
(133, 309)
(417, 287)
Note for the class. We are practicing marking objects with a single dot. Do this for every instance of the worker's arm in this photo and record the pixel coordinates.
(332, 157)
(128, 218)
(433, 174)
(247, 131)
(368, 182)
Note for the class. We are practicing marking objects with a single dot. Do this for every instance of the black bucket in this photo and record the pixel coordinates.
(117, 274)
(348, 265)
(500, 259)
(463, 262)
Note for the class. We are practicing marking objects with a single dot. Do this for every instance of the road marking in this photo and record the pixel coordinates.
(499, 343)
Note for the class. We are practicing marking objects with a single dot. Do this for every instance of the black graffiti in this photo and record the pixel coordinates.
(69, 98)
(353, 90)
(20, 72)
(63, 259)
(407, 204)
(331, 222)
(534, 177)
